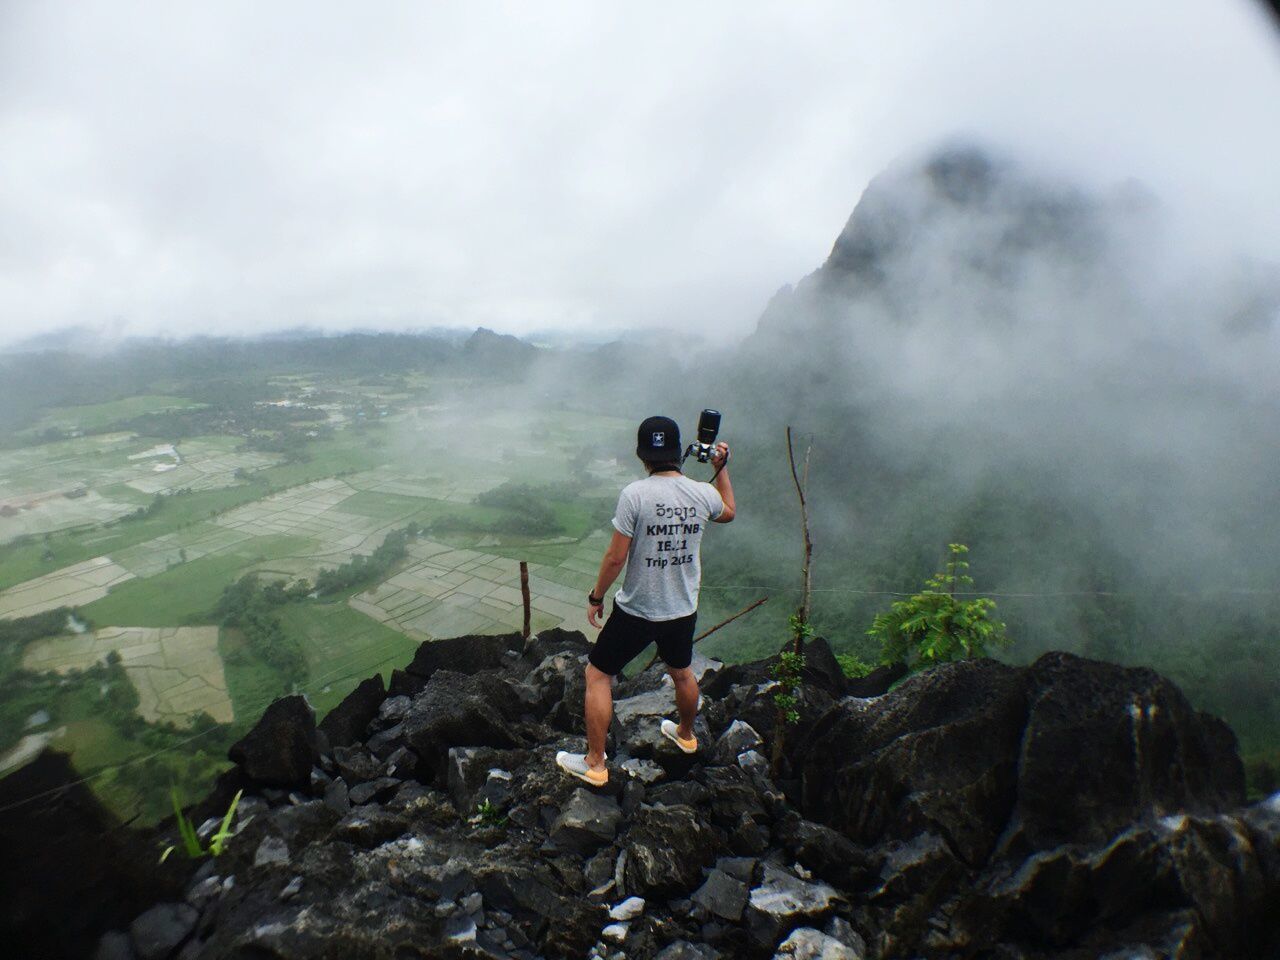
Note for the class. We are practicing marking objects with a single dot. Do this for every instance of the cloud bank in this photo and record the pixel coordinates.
(185, 169)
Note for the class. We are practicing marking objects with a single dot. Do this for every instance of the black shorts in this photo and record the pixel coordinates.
(625, 635)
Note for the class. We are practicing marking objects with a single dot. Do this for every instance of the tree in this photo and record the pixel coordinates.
(937, 626)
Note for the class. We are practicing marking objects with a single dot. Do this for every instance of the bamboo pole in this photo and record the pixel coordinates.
(723, 623)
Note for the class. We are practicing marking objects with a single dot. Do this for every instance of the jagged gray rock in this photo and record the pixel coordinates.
(586, 822)
(375, 789)
(877, 682)
(806, 943)
(337, 796)
(115, 945)
(271, 850)
(722, 896)
(628, 909)
(782, 900)
(203, 891)
(646, 771)
(754, 763)
(356, 765)
(737, 739)
(467, 655)
(280, 750)
(725, 862)
(346, 723)
(666, 849)
(1128, 739)
(615, 932)
(684, 950)
(386, 742)
(456, 710)
(468, 771)
(971, 750)
(659, 702)
(842, 930)
(162, 929)
(827, 854)
(394, 709)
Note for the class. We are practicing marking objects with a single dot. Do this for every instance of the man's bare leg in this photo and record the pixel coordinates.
(599, 711)
(686, 699)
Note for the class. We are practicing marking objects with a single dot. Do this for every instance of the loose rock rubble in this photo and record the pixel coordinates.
(1065, 810)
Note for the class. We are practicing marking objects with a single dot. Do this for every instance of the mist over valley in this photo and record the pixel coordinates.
(989, 356)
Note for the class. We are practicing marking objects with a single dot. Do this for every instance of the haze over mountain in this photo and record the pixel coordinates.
(994, 355)
(236, 170)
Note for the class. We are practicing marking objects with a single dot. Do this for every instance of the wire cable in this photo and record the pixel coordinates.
(329, 678)
(1217, 591)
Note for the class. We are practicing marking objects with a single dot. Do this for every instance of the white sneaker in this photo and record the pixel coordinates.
(672, 732)
(575, 764)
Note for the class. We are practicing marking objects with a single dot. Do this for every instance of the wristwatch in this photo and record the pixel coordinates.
(595, 601)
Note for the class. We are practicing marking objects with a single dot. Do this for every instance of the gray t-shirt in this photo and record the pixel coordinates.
(665, 518)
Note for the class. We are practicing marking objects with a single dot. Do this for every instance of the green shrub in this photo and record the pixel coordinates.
(488, 815)
(853, 666)
(937, 626)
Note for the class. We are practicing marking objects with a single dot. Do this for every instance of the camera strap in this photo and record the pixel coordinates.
(724, 464)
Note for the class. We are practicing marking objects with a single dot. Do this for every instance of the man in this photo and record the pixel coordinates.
(658, 530)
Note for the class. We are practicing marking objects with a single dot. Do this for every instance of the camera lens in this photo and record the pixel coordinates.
(708, 426)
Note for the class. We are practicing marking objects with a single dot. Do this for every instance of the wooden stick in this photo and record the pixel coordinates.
(524, 594)
(722, 623)
(802, 486)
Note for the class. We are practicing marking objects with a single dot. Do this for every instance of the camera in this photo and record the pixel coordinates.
(708, 428)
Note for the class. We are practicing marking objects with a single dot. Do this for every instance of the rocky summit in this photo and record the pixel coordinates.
(1069, 809)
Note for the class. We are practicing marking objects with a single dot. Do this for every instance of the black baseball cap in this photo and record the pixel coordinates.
(658, 439)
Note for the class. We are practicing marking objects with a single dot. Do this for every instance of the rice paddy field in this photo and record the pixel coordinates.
(141, 535)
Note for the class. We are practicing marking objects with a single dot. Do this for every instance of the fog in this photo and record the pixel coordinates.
(177, 169)
(1071, 369)
(1052, 373)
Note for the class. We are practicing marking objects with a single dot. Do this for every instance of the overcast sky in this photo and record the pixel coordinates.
(235, 167)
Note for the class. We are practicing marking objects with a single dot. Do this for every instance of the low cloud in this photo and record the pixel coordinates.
(186, 169)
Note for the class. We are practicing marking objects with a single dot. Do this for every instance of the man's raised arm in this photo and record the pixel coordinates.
(722, 484)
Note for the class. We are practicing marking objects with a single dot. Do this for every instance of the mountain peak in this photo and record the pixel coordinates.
(964, 198)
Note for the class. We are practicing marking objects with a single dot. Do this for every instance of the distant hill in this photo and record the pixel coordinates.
(69, 370)
(492, 353)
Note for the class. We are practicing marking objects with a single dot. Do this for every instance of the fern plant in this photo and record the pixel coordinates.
(935, 625)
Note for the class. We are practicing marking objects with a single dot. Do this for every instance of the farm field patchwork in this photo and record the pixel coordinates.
(194, 467)
(176, 670)
(176, 596)
(73, 586)
(95, 480)
(342, 647)
(93, 415)
(448, 591)
(143, 534)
